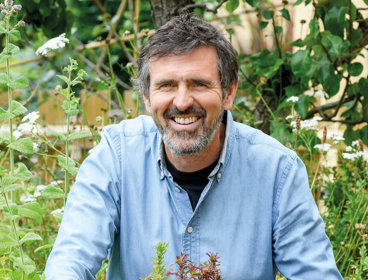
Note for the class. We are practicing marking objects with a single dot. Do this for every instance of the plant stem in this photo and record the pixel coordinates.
(11, 151)
(66, 183)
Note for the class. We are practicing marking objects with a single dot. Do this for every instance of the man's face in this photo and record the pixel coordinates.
(186, 99)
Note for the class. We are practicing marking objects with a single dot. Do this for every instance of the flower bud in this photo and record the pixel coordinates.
(2, 6)
(8, 3)
(22, 23)
(4, 12)
(17, 7)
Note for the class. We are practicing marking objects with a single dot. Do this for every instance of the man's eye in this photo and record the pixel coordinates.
(199, 84)
(167, 85)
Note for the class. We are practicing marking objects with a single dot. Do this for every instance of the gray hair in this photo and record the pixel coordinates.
(181, 35)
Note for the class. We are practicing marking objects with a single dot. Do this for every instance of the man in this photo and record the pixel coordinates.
(192, 177)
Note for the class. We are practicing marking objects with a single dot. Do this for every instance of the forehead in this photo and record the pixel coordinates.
(201, 62)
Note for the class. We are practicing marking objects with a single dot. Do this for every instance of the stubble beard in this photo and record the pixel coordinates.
(188, 142)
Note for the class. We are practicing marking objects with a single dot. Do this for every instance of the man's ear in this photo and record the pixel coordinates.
(230, 95)
(146, 102)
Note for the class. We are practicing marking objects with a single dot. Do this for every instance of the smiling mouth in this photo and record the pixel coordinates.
(186, 120)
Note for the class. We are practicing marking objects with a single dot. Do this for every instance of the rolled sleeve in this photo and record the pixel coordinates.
(300, 245)
(91, 218)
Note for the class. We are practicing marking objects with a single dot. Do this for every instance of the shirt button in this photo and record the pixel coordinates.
(190, 229)
(219, 175)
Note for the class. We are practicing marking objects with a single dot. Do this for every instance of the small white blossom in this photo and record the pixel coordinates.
(58, 211)
(26, 128)
(353, 156)
(56, 183)
(17, 134)
(53, 44)
(323, 147)
(31, 117)
(290, 117)
(38, 190)
(307, 124)
(336, 138)
(292, 99)
(319, 93)
(35, 147)
(309, 93)
(27, 197)
(349, 148)
(355, 143)
(317, 118)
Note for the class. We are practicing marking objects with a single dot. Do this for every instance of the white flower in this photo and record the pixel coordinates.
(349, 148)
(336, 139)
(38, 190)
(58, 211)
(353, 156)
(355, 143)
(53, 44)
(17, 134)
(319, 93)
(323, 147)
(26, 128)
(35, 147)
(31, 117)
(292, 99)
(317, 118)
(27, 197)
(348, 156)
(309, 93)
(56, 183)
(290, 117)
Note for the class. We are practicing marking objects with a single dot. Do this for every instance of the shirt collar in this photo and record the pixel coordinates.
(218, 168)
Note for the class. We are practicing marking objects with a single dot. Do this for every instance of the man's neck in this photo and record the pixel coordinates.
(191, 163)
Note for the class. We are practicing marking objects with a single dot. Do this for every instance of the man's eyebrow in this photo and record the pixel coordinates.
(163, 81)
(202, 81)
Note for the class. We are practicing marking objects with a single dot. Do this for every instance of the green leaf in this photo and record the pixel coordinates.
(267, 14)
(31, 210)
(334, 45)
(3, 79)
(7, 242)
(314, 27)
(278, 29)
(335, 20)
(14, 35)
(301, 107)
(232, 5)
(67, 166)
(56, 134)
(3, 57)
(263, 25)
(2, 29)
(79, 135)
(65, 79)
(70, 107)
(43, 247)
(19, 83)
(27, 265)
(4, 135)
(298, 2)
(13, 49)
(301, 62)
(7, 179)
(12, 187)
(22, 173)
(52, 192)
(5, 115)
(30, 236)
(23, 145)
(355, 69)
(298, 43)
(252, 2)
(17, 108)
(285, 14)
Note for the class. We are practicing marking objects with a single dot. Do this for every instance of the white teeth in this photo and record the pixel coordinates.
(185, 120)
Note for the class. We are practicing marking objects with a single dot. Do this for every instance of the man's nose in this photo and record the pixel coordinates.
(183, 98)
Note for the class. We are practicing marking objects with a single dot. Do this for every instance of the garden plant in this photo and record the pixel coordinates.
(71, 51)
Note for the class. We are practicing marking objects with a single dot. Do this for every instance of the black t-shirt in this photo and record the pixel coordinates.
(192, 182)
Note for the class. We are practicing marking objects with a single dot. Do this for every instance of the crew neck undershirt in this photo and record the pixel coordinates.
(192, 182)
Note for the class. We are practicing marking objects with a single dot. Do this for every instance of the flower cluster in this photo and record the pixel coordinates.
(28, 125)
(292, 99)
(53, 44)
(354, 151)
(323, 147)
(306, 124)
(336, 139)
(9, 9)
(318, 93)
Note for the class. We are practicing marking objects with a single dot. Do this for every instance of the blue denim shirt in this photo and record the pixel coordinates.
(256, 212)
